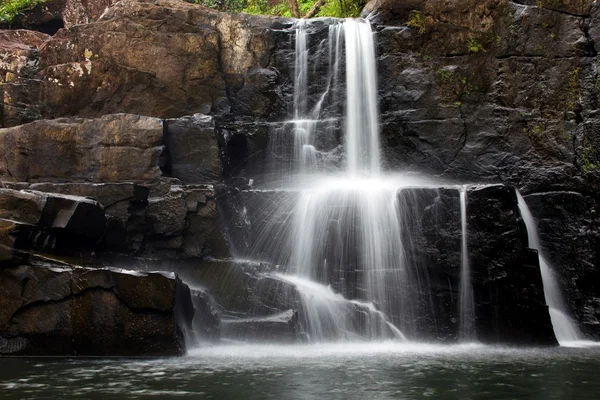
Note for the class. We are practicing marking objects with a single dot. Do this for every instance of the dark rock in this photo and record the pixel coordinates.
(568, 227)
(506, 278)
(207, 322)
(49, 222)
(193, 149)
(59, 310)
(113, 148)
(241, 289)
(258, 222)
(184, 223)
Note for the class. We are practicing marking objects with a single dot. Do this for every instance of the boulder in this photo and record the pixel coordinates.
(113, 148)
(65, 310)
(169, 63)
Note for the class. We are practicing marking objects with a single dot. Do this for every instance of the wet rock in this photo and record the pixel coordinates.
(61, 310)
(422, 299)
(241, 289)
(113, 148)
(184, 223)
(507, 283)
(282, 327)
(206, 324)
(568, 227)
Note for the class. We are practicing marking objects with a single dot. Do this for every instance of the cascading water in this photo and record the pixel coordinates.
(467, 328)
(351, 230)
(362, 112)
(350, 237)
(565, 329)
(329, 207)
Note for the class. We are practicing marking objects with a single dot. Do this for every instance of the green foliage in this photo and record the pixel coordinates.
(342, 8)
(473, 45)
(588, 165)
(535, 131)
(589, 157)
(454, 85)
(332, 8)
(417, 21)
(10, 9)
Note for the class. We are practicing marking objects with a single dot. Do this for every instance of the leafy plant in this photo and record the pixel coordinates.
(331, 8)
(473, 45)
(10, 9)
(417, 21)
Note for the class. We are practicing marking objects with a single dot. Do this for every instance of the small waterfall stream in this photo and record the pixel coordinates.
(565, 329)
(467, 327)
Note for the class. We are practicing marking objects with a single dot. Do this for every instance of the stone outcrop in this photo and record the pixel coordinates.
(48, 223)
(172, 61)
(51, 15)
(113, 148)
(62, 310)
(18, 69)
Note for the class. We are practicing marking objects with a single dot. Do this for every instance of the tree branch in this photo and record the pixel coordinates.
(294, 9)
(315, 8)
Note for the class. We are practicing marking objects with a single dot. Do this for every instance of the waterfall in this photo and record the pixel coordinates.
(362, 113)
(565, 329)
(332, 317)
(367, 254)
(467, 306)
(345, 220)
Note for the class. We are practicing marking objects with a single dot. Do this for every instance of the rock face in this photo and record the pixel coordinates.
(53, 310)
(114, 148)
(52, 15)
(48, 222)
(498, 92)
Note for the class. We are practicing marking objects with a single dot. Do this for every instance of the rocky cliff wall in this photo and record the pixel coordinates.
(497, 91)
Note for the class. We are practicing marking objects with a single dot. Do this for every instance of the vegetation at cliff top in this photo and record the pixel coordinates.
(289, 8)
(9, 9)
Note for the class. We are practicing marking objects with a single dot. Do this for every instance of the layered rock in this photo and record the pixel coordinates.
(114, 148)
(62, 310)
(34, 220)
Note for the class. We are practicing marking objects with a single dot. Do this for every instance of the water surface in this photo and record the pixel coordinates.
(328, 371)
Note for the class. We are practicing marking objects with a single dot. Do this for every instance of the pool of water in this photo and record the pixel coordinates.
(328, 371)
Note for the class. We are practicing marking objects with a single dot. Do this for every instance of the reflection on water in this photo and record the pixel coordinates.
(332, 371)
